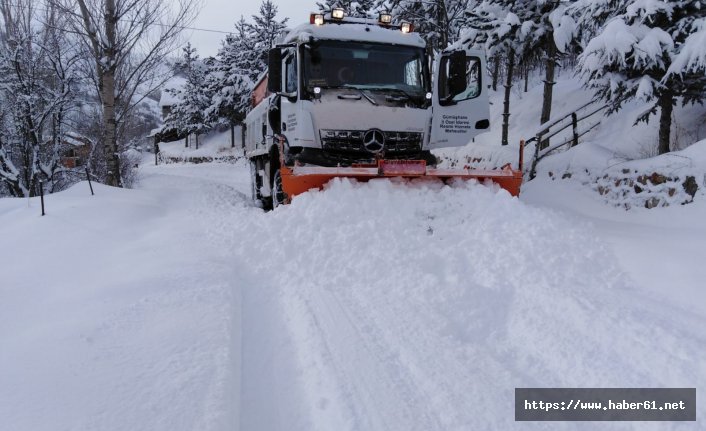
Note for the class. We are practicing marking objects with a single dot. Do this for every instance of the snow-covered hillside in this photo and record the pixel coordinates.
(384, 305)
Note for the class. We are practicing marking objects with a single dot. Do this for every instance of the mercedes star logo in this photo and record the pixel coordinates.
(374, 140)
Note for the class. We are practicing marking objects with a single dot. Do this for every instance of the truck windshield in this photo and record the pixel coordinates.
(365, 66)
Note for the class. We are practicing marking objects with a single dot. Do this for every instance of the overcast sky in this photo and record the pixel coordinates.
(222, 15)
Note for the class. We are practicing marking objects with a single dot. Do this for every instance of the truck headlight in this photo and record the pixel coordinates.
(406, 27)
(385, 18)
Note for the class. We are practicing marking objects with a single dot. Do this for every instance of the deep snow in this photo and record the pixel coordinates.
(384, 305)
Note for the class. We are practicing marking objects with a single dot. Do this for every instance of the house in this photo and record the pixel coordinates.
(74, 150)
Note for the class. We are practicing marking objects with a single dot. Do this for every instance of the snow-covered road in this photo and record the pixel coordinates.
(378, 306)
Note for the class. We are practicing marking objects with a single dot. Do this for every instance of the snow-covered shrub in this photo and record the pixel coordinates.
(129, 162)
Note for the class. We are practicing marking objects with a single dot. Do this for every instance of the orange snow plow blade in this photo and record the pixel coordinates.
(299, 179)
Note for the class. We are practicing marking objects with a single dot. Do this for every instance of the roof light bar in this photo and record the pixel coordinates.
(338, 13)
(406, 27)
(385, 18)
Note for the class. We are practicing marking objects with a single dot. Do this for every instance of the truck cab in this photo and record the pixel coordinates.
(347, 91)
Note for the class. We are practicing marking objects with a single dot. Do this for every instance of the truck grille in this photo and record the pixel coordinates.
(352, 141)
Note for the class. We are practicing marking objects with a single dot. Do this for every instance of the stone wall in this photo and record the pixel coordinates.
(630, 188)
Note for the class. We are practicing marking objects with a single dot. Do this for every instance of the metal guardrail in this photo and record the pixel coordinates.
(549, 130)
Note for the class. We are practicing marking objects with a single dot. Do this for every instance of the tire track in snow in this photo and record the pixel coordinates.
(367, 372)
(209, 197)
(264, 386)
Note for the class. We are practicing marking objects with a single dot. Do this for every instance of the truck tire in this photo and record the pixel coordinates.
(254, 191)
(278, 196)
(256, 182)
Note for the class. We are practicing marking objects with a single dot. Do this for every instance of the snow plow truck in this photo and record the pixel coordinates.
(355, 98)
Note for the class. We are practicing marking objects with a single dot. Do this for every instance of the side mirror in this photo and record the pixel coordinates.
(274, 71)
(457, 73)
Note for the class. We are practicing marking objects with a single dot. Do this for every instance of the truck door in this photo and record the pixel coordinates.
(290, 95)
(460, 103)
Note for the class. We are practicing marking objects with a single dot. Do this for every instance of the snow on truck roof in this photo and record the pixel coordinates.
(358, 30)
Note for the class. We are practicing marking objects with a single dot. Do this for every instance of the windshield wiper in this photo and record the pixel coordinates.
(401, 92)
(362, 92)
(367, 96)
(404, 93)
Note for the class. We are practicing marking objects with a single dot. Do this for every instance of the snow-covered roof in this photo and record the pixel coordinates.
(354, 31)
(167, 98)
(75, 140)
(154, 132)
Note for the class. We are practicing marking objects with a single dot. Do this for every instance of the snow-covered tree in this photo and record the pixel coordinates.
(265, 30)
(230, 78)
(548, 31)
(243, 47)
(439, 22)
(497, 30)
(38, 76)
(591, 15)
(689, 65)
(347, 5)
(543, 29)
(126, 43)
(365, 7)
(632, 55)
(188, 116)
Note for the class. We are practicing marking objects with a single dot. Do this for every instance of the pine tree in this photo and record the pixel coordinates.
(439, 22)
(631, 57)
(689, 65)
(497, 30)
(245, 44)
(364, 7)
(265, 30)
(592, 15)
(546, 31)
(347, 5)
(229, 79)
(188, 116)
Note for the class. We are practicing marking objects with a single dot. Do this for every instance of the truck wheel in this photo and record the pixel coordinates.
(278, 195)
(254, 194)
(256, 183)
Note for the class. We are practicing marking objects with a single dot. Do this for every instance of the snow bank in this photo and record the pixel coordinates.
(115, 314)
(213, 146)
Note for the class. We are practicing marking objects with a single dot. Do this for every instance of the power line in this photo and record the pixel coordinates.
(209, 30)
